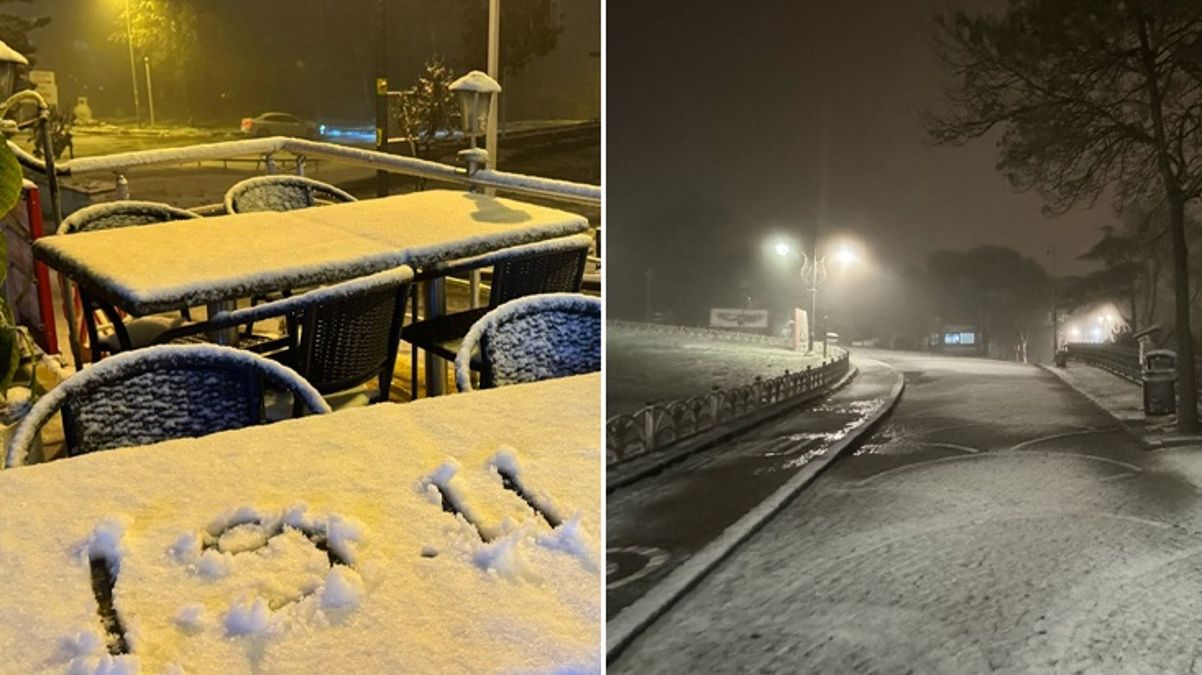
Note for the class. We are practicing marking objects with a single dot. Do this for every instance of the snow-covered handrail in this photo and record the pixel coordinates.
(382, 161)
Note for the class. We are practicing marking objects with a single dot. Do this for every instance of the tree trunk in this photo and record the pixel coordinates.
(1187, 384)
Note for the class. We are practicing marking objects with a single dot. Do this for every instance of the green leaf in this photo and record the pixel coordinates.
(11, 179)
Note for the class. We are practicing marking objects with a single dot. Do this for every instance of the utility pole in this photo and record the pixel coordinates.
(149, 89)
(382, 122)
(647, 294)
(494, 71)
(133, 68)
(813, 291)
(1055, 305)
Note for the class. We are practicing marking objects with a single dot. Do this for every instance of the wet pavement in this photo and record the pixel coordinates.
(658, 523)
(998, 521)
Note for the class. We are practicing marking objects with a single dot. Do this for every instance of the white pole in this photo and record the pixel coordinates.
(149, 89)
(133, 68)
(494, 71)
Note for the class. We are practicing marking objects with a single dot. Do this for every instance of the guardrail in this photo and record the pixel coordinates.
(1122, 361)
(302, 149)
(658, 425)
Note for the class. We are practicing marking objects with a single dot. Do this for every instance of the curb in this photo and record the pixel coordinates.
(615, 480)
(626, 626)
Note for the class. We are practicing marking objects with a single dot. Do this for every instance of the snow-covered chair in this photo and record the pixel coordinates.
(159, 393)
(552, 266)
(534, 338)
(124, 213)
(144, 330)
(339, 336)
(281, 192)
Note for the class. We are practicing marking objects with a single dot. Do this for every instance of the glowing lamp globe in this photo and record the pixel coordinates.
(475, 91)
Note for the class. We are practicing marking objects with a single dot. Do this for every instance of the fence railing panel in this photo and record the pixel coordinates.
(659, 425)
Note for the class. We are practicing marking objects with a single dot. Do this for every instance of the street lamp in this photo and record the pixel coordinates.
(133, 68)
(475, 91)
(813, 268)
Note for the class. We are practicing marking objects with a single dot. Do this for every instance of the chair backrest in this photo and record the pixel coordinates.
(159, 393)
(537, 337)
(281, 192)
(125, 213)
(347, 341)
(349, 331)
(553, 266)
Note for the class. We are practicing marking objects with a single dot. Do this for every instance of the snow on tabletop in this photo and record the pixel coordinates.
(319, 544)
(163, 266)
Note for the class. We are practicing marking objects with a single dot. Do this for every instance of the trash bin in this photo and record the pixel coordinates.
(1160, 382)
(1061, 358)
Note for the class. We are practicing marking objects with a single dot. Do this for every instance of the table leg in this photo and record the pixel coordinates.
(436, 305)
(223, 336)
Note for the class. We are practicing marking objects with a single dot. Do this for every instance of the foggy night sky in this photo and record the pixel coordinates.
(714, 134)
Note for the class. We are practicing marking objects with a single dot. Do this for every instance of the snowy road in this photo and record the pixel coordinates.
(997, 521)
(658, 523)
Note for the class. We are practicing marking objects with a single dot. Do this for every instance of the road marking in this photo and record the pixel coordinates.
(636, 561)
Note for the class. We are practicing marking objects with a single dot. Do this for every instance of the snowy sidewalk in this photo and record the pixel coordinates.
(1123, 399)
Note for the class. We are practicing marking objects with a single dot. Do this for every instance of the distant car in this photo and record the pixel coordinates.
(278, 124)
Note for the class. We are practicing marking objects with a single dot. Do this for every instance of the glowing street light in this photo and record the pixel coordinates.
(843, 254)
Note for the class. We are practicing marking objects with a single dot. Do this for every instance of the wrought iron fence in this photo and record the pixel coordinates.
(661, 424)
(1122, 361)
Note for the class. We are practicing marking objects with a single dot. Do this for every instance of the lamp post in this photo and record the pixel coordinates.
(475, 91)
(133, 67)
(814, 270)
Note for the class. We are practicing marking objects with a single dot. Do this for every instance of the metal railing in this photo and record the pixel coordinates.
(301, 150)
(659, 425)
(1122, 361)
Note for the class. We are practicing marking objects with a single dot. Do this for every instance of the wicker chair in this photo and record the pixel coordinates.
(144, 330)
(339, 336)
(534, 338)
(125, 213)
(553, 266)
(281, 192)
(159, 393)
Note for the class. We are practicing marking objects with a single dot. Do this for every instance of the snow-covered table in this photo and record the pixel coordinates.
(324, 544)
(188, 263)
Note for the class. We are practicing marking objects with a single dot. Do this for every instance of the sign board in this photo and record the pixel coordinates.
(801, 329)
(45, 84)
(738, 318)
(40, 77)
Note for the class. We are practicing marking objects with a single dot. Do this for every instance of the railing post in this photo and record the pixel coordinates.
(269, 163)
(382, 187)
(648, 427)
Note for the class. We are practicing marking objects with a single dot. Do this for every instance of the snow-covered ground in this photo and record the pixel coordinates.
(458, 534)
(648, 365)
